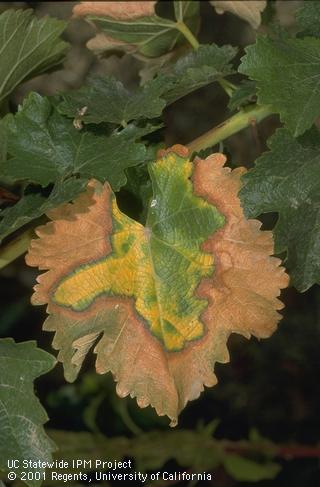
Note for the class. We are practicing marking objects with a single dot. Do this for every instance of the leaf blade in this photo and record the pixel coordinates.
(250, 11)
(123, 106)
(46, 147)
(286, 180)
(142, 296)
(308, 19)
(264, 62)
(29, 47)
(34, 205)
(22, 433)
(197, 69)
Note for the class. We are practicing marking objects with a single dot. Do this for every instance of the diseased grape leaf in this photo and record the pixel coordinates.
(137, 25)
(28, 47)
(117, 10)
(22, 416)
(46, 147)
(158, 302)
(242, 95)
(246, 10)
(285, 70)
(197, 69)
(107, 100)
(287, 180)
(308, 18)
(34, 205)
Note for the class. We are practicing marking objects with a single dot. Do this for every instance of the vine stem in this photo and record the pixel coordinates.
(228, 87)
(15, 248)
(231, 126)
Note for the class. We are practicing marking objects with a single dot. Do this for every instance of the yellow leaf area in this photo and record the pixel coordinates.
(159, 265)
(158, 303)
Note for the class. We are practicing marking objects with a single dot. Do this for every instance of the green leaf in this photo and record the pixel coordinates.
(139, 184)
(287, 75)
(308, 18)
(28, 47)
(150, 450)
(185, 9)
(152, 35)
(243, 95)
(22, 416)
(107, 100)
(3, 144)
(34, 205)
(287, 180)
(197, 69)
(245, 470)
(46, 147)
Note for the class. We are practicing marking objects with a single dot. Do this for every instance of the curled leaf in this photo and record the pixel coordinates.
(158, 302)
(135, 27)
(246, 10)
(117, 10)
(102, 43)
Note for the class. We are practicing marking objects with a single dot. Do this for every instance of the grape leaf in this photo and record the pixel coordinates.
(242, 95)
(247, 470)
(308, 18)
(116, 10)
(286, 70)
(152, 450)
(3, 144)
(185, 9)
(197, 69)
(246, 10)
(34, 205)
(107, 100)
(138, 25)
(22, 416)
(287, 180)
(47, 147)
(158, 301)
(29, 46)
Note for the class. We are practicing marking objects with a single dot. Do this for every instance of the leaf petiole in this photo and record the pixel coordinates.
(15, 248)
(228, 87)
(231, 126)
(184, 29)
